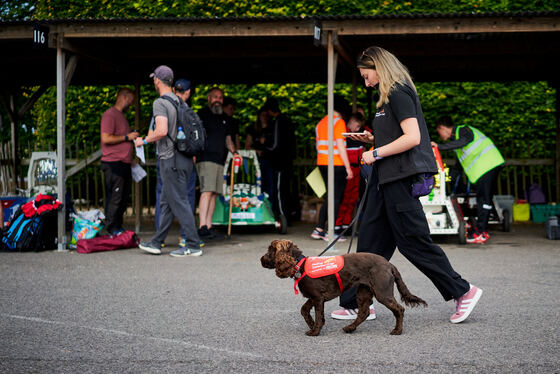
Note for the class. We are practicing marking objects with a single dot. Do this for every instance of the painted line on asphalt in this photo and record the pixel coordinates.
(124, 333)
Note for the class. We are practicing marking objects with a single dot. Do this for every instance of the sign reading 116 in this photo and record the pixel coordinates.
(40, 36)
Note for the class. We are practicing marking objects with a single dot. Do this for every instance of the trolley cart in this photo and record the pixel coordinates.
(250, 206)
(443, 213)
(501, 213)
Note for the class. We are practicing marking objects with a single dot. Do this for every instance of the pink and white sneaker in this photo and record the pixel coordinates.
(352, 313)
(466, 304)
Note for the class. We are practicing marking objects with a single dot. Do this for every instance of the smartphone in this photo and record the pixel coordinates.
(353, 133)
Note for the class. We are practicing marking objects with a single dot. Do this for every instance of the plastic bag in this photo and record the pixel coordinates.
(84, 229)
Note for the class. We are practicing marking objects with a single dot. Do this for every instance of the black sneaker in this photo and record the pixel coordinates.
(338, 230)
(151, 247)
(204, 233)
(216, 235)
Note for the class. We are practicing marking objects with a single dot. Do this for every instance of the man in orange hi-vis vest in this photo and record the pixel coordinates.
(342, 168)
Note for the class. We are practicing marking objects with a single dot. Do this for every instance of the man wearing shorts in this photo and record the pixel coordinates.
(210, 164)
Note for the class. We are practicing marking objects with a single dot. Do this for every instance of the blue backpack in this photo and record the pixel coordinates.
(33, 227)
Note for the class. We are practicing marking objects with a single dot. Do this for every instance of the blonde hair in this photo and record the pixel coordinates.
(390, 71)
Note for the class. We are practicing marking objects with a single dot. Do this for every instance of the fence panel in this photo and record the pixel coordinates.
(86, 186)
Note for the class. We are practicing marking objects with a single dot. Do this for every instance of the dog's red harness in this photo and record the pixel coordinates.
(317, 267)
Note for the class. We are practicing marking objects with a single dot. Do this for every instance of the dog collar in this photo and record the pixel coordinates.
(299, 273)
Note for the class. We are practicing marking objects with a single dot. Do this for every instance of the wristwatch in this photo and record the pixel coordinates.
(144, 140)
(126, 138)
(375, 153)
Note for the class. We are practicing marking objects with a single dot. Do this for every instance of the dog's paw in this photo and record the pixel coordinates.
(349, 329)
(312, 333)
(396, 332)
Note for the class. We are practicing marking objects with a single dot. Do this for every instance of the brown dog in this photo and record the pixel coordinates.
(373, 274)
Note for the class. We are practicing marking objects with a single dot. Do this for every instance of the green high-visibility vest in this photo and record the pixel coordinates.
(479, 156)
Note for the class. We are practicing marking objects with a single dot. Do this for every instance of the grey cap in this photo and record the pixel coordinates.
(163, 73)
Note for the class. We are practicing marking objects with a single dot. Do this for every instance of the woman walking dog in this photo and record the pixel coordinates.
(393, 216)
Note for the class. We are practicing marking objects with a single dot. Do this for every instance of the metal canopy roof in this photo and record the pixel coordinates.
(452, 47)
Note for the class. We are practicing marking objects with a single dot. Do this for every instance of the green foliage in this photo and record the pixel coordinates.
(261, 8)
(518, 116)
(16, 9)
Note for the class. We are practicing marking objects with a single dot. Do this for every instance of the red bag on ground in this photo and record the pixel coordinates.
(127, 239)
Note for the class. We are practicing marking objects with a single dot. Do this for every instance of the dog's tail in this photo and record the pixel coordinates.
(407, 297)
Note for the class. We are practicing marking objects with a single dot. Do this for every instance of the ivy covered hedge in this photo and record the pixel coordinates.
(258, 8)
(519, 116)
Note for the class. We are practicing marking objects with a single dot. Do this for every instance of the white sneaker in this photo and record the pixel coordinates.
(352, 313)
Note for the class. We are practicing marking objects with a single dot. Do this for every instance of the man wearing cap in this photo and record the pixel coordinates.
(175, 169)
(116, 159)
(183, 91)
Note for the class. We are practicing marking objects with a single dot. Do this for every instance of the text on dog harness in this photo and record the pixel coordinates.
(317, 267)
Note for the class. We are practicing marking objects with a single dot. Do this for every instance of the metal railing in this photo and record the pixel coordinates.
(85, 181)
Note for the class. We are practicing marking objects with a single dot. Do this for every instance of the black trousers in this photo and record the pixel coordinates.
(118, 180)
(394, 219)
(282, 197)
(485, 187)
(339, 187)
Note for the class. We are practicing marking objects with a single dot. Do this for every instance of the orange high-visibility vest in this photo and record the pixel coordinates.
(322, 139)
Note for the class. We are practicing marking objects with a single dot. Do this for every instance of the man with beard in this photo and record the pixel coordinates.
(116, 148)
(210, 163)
(175, 169)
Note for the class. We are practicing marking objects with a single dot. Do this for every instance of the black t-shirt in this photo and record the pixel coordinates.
(403, 104)
(256, 137)
(234, 127)
(217, 128)
(280, 143)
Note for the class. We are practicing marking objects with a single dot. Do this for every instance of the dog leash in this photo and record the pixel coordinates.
(354, 223)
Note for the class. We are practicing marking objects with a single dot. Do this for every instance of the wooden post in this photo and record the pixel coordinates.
(557, 166)
(354, 91)
(137, 189)
(61, 140)
(330, 109)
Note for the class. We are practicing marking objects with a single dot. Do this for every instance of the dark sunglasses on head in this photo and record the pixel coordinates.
(364, 54)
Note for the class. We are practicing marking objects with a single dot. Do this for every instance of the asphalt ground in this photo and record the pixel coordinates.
(130, 312)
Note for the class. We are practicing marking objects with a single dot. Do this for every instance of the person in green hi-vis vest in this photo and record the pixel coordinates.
(481, 161)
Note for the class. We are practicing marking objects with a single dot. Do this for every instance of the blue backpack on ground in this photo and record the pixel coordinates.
(33, 227)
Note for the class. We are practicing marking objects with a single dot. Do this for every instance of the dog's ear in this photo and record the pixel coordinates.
(284, 260)
(294, 250)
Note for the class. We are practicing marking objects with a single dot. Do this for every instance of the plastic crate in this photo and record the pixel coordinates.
(540, 212)
(521, 212)
(553, 228)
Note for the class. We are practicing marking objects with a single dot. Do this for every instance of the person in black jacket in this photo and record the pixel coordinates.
(393, 216)
(280, 149)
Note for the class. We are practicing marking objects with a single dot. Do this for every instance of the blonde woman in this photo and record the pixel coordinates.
(393, 216)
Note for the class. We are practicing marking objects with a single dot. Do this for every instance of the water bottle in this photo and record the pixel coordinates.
(180, 133)
(181, 140)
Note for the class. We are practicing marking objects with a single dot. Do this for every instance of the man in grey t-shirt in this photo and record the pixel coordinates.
(175, 169)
